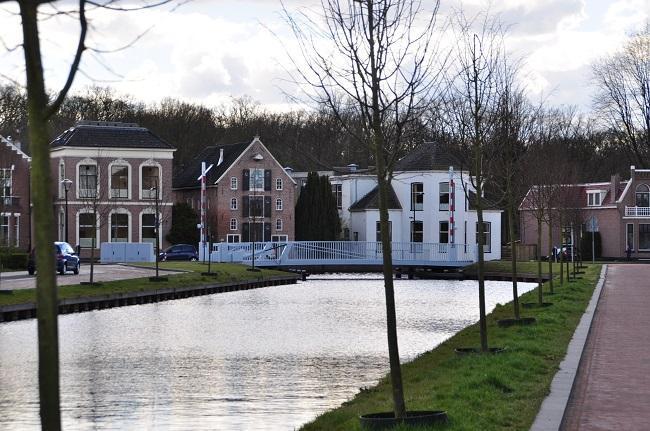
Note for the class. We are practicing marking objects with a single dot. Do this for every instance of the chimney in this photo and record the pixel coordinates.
(615, 183)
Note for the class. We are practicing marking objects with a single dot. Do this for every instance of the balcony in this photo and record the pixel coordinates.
(9, 202)
(637, 212)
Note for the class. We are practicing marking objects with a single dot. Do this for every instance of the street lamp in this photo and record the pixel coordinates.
(66, 187)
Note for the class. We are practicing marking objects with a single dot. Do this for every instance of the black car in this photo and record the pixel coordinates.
(66, 259)
(180, 252)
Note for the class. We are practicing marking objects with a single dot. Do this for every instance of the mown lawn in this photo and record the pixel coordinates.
(483, 392)
(225, 272)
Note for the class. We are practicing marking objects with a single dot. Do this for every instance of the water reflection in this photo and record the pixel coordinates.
(270, 358)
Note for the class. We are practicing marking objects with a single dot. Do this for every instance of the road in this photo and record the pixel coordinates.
(22, 280)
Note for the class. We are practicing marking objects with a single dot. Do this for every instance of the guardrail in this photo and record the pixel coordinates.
(637, 211)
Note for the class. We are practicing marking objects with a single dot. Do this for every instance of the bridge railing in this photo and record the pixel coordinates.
(341, 252)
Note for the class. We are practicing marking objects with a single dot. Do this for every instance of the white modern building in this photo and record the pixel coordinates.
(422, 205)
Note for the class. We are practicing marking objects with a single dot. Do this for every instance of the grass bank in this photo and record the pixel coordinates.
(483, 392)
(226, 272)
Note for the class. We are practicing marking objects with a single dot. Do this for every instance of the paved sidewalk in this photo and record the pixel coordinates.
(612, 388)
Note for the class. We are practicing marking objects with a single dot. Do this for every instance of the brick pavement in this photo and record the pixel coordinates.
(612, 387)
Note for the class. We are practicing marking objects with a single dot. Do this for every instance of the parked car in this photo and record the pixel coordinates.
(179, 252)
(66, 259)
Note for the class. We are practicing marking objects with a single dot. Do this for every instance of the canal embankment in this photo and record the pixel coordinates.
(484, 391)
(194, 280)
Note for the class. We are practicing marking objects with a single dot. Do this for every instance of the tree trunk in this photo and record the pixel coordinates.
(561, 255)
(540, 294)
(550, 254)
(513, 250)
(481, 267)
(46, 295)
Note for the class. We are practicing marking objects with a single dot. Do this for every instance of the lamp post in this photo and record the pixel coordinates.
(66, 187)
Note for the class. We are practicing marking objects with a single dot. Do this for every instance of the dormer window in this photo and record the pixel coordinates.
(594, 198)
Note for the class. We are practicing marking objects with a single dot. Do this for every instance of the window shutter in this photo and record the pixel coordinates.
(267, 206)
(245, 179)
(267, 180)
(267, 231)
(245, 201)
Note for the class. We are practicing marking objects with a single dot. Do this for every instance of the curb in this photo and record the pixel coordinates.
(551, 413)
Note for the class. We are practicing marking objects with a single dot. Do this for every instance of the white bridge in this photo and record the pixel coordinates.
(295, 254)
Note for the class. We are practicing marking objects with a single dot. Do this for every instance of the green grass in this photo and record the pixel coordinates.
(529, 266)
(226, 272)
(483, 392)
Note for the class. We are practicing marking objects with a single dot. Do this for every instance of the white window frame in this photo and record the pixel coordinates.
(279, 225)
(110, 224)
(117, 163)
(639, 242)
(97, 230)
(61, 178)
(591, 198)
(151, 211)
(146, 193)
(641, 189)
(233, 222)
(233, 203)
(444, 206)
(279, 238)
(232, 236)
(233, 183)
(627, 242)
(252, 174)
(5, 240)
(78, 188)
(278, 184)
(278, 204)
(487, 247)
(17, 229)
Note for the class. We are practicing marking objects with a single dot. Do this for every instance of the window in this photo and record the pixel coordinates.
(233, 224)
(86, 230)
(278, 204)
(487, 243)
(629, 239)
(278, 184)
(233, 184)
(444, 196)
(88, 181)
(417, 196)
(17, 230)
(150, 182)
(61, 178)
(337, 190)
(355, 235)
(278, 224)
(255, 206)
(119, 227)
(119, 182)
(593, 198)
(443, 236)
(346, 234)
(148, 228)
(5, 184)
(279, 238)
(233, 237)
(644, 237)
(378, 231)
(643, 195)
(417, 233)
(233, 203)
(257, 180)
(4, 230)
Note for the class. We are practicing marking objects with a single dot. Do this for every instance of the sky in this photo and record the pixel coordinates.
(210, 51)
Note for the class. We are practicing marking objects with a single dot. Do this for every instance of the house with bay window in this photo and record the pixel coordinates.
(420, 204)
(109, 177)
(619, 210)
(250, 196)
(15, 224)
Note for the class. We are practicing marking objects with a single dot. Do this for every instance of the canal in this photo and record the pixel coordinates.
(271, 358)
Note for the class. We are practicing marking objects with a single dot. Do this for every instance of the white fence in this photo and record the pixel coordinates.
(305, 253)
(637, 211)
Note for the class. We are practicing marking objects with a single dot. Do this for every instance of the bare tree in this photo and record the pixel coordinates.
(376, 60)
(623, 98)
(40, 110)
(471, 107)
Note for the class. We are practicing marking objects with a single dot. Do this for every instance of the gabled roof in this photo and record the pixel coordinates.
(371, 200)
(15, 148)
(187, 178)
(428, 156)
(102, 134)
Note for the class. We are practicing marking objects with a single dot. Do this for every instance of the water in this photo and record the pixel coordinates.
(271, 358)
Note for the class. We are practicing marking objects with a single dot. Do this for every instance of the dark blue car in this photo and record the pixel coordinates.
(66, 259)
(179, 252)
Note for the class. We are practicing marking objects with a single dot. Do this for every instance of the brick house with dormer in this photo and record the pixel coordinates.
(15, 223)
(250, 196)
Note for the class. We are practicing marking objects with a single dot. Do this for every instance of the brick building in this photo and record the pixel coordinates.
(620, 212)
(15, 224)
(250, 196)
(116, 168)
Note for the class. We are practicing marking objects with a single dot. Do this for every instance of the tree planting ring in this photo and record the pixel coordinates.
(387, 420)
